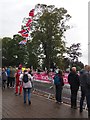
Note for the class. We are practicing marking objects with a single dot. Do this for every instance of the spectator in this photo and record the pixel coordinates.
(17, 75)
(26, 80)
(8, 77)
(73, 80)
(87, 83)
(4, 78)
(12, 77)
(83, 86)
(58, 81)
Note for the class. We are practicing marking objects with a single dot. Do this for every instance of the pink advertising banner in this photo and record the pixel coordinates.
(48, 78)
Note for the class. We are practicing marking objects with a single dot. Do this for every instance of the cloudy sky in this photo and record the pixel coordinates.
(12, 13)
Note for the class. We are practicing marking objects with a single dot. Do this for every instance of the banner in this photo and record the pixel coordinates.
(48, 78)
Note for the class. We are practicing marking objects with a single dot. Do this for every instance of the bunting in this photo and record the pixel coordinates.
(23, 42)
(25, 31)
(22, 31)
(29, 22)
(31, 13)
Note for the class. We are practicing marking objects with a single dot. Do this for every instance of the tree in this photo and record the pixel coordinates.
(48, 32)
(32, 55)
(12, 53)
(74, 52)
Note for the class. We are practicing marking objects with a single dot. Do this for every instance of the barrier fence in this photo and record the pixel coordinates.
(48, 78)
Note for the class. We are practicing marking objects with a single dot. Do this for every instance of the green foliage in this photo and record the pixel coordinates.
(48, 30)
(74, 52)
(13, 54)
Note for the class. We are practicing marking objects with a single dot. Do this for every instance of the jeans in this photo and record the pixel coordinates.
(13, 81)
(82, 97)
(25, 90)
(8, 81)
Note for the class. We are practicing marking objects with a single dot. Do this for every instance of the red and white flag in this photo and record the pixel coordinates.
(23, 42)
(31, 13)
(22, 31)
(29, 22)
(25, 35)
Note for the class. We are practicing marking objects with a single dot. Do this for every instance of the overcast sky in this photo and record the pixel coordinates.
(12, 13)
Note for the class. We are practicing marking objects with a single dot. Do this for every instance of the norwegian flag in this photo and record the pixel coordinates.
(28, 28)
(22, 31)
(23, 42)
(31, 13)
(29, 22)
(25, 33)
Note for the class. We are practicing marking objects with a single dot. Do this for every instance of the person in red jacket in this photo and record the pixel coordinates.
(18, 87)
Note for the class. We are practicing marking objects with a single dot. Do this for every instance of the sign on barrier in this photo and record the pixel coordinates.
(48, 78)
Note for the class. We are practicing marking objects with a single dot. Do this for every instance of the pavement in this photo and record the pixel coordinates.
(66, 92)
(41, 107)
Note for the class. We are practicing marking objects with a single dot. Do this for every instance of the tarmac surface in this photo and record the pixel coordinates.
(13, 107)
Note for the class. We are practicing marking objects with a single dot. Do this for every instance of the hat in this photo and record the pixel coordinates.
(20, 66)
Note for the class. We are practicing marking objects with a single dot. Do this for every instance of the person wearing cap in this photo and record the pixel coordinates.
(73, 80)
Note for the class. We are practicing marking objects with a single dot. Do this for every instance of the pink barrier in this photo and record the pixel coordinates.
(43, 77)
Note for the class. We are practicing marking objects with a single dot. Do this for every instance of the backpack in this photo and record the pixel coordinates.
(88, 79)
(56, 80)
(25, 78)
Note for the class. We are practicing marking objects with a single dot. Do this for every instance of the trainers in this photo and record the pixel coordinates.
(61, 102)
(24, 102)
(16, 94)
(81, 110)
(19, 93)
(56, 101)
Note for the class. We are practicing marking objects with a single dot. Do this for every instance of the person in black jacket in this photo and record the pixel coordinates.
(73, 80)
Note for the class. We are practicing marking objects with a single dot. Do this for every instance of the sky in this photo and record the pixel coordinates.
(12, 13)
